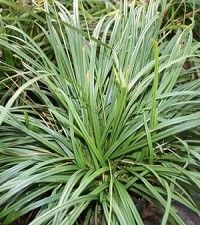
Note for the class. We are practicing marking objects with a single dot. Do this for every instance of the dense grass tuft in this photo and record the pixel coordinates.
(100, 120)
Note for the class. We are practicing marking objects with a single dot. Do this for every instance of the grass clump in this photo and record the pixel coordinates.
(100, 120)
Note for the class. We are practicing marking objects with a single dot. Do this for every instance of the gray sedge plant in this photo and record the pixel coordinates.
(110, 120)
